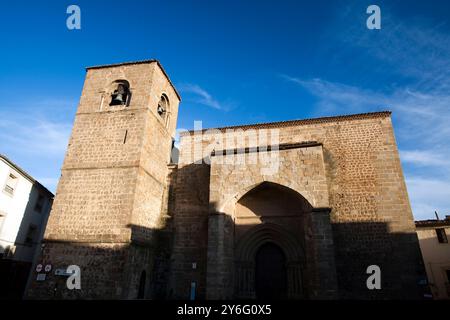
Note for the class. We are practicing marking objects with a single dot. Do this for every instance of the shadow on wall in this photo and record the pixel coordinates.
(109, 270)
(174, 257)
(134, 270)
(355, 247)
(115, 273)
(359, 245)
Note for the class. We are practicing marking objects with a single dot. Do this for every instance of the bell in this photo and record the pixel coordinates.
(119, 98)
(161, 110)
(121, 89)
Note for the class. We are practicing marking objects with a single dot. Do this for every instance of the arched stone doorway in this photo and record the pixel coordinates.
(269, 231)
(270, 272)
(247, 262)
(270, 213)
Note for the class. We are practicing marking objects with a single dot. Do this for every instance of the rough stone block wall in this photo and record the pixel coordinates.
(145, 220)
(106, 281)
(111, 215)
(371, 217)
(107, 212)
(323, 282)
(300, 169)
(106, 139)
(82, 212)
(140, 258)
(190, 230)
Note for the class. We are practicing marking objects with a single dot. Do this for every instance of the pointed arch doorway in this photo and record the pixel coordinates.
(271, 213)
(269, 253)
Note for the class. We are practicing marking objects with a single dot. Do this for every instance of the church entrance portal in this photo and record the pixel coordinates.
(270, 273)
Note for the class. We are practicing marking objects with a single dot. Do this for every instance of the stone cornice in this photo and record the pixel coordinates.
(289, 123)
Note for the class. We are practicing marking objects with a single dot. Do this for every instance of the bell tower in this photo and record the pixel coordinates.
(109, 201)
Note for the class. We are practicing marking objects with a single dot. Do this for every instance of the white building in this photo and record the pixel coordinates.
(24, 208)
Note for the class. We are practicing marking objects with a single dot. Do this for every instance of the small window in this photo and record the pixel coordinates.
(120, 94)
(442, 237)
(11, 184)
(39, 203)
(31, 234)
(163, 106)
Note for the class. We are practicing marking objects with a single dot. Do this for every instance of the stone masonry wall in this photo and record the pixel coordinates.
(371, 215)
(108, 203)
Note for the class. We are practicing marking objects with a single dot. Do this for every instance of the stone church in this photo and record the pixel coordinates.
(141, 225)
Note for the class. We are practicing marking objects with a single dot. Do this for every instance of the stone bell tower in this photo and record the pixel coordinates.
(109, 201)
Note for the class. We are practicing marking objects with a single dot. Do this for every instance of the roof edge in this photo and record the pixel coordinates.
(137, 62)
(287, 123)
(23, 172)
(432, 223)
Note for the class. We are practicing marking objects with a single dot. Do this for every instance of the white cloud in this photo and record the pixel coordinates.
(428, 195)
(338, 97)
(412, 53)
(36, 140)
(421, 119)
(35, 136)
(411, 47)
(424, 158)
(201, 96)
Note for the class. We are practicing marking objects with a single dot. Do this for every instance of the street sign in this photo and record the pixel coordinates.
(39, 268)
(41, 277)
(62, 272)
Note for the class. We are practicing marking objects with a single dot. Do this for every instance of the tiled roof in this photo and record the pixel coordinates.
(289, 123)
(433, 223)
(137, 62)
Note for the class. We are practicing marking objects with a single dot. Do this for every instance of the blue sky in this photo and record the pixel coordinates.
(238, 62)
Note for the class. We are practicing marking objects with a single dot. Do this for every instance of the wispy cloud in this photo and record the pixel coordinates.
(410, 48)
(428, 195)
(421, 106)
(201, 96)
(338, 97)
(32, 136)
(420, 119)
(36, 138)
(428, 158)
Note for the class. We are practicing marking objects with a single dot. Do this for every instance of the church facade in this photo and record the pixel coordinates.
(289, 210)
